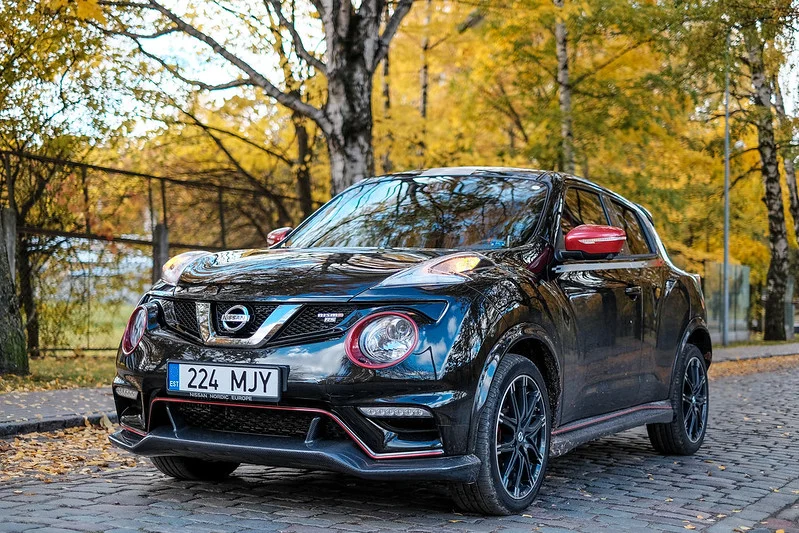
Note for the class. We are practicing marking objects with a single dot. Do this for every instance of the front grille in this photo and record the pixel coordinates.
(186, 315)
(234, 419)
(258, 314)
(311, 319)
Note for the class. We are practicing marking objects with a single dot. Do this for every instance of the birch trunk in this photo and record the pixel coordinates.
(564, 92)
(787, 160)
(777, 277)
(349, 141)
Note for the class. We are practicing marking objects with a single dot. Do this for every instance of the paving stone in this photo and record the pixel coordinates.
(614, 484)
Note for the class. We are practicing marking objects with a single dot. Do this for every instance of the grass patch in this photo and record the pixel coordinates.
(63, 372)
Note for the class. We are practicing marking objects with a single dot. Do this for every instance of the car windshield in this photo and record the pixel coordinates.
(428, 212)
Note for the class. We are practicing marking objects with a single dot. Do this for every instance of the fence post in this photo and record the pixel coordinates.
(9, 222)
(160, 250)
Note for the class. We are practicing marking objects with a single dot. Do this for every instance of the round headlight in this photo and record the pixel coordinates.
(382, 340)
(134, 331)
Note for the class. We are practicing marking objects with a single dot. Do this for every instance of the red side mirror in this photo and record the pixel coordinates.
(277, 235)
(594, 240)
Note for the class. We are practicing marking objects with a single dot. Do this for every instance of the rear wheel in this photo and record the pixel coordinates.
(689, 396)
(190, 468)
(512, 442)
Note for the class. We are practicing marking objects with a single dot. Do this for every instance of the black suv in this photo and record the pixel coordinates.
(454, 324)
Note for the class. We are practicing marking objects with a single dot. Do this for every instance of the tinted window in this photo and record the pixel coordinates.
(428, 212)
(627, 220)
(581, 207)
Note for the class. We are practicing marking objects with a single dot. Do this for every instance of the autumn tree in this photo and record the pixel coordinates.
(56, 103)
(749, 38)
(352, 40)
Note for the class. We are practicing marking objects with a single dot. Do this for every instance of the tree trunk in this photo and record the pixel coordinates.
(303, 167)
(387, 164)
(349, 112)
(13, 357)
(564, 93)
(424, 82)
(777, 277)
(787, 158)
(28, 300)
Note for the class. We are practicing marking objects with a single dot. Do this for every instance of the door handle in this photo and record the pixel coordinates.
(633, 292)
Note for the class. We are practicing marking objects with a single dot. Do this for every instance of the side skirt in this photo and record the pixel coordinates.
(567, 437)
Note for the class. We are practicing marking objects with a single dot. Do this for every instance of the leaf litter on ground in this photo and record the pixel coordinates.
(47, 456)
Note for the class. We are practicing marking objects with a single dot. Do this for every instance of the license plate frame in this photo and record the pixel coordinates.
(276, 384)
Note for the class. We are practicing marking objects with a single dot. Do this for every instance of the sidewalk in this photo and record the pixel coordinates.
(755, 351)
(25, 412)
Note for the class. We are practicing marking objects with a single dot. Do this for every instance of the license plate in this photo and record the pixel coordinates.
(224, 382)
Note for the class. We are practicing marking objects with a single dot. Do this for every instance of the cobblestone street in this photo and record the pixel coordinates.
(746, 476)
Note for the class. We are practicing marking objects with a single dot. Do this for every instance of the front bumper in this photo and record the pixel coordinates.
(337, 456)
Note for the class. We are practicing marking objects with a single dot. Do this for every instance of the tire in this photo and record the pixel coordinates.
(189, 468)
(690, 400)
(523, 452)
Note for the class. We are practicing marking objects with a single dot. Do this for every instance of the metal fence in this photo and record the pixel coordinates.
(739, 316)
(90, 239)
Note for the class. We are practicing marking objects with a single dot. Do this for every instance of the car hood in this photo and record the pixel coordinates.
(289, 273)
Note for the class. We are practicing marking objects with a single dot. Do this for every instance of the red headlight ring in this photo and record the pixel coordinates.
(352, 342)
(137, 323)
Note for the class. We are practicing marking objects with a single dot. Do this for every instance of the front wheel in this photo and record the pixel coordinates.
(690, 397)
(189, 468)
(513, 434)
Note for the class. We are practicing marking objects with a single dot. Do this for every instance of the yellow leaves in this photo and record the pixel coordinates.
(753, 366)
(45, 456)
(83, 9)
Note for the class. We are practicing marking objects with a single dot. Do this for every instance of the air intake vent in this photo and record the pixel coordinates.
(186, 315)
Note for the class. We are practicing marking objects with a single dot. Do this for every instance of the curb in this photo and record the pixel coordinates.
(9, 429)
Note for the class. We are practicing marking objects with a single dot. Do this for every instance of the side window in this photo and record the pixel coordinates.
(581, 207)
(627, 220)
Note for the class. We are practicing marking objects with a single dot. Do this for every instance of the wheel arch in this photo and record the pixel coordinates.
(542, 356)
(532, 342)
(696, 333)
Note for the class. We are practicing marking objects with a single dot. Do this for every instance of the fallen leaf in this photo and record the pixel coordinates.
(689, 526)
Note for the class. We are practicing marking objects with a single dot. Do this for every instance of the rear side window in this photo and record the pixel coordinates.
(627, 220)
(581, 207)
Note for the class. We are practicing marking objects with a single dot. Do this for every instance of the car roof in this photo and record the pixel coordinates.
(527, 173)
(471, 171)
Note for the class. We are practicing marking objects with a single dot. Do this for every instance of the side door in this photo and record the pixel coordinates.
(605, 301)
(650, 273)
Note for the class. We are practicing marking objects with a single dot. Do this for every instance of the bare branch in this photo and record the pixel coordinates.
(299, 46)
(393, 24)
(201, 84)
(283, 213)
(282, 157)
(291, 101)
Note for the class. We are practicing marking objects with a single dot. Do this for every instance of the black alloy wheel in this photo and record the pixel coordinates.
(690, 395)
(512, 437)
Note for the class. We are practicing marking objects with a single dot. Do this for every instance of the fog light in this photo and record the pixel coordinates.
(396, 412)
(125, 392)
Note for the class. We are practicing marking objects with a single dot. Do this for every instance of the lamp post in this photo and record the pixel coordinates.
(725, 311)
